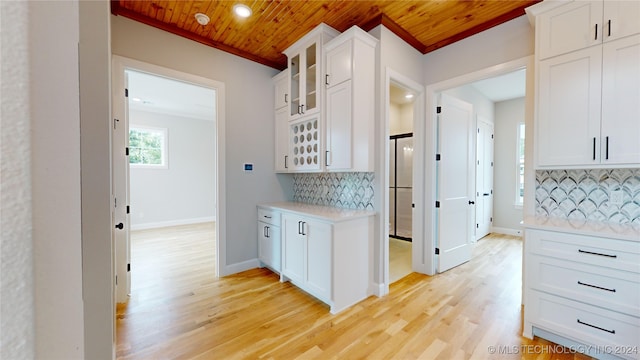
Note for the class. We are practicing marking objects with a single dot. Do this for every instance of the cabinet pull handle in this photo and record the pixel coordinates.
(595, 253)
(594, 148)
(268, 232)
(303, 232)
(285, 161)
(302, 109)
(264, 231)
(596, 38)
(299, 227)
(606, 155)
(326, 158)
(485, 194)
(609, 25)
(326, 79)
(266, 216)
(596, 286)
(285, 98)
(596, 327)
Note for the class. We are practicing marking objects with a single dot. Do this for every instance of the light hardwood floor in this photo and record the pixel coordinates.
(180, 310)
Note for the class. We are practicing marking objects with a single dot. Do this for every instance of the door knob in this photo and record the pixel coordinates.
(120, 226)
(471, 202)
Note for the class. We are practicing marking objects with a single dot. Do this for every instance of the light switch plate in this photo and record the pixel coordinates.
(617, 197)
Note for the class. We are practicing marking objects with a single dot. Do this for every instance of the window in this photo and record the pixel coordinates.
(520, 166)
(148, 147)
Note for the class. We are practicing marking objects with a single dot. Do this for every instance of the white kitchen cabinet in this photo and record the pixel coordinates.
(281, 158)
(307, 254)
(588, 87)
(580, 24)
(281, 89)
(305, 69)
(350, 83)
(269, 239)
(621, 101)
(325, 252)
(583, 289)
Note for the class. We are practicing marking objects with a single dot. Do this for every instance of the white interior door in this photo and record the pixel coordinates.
(120, 183)
(455, 182)
(484, 178)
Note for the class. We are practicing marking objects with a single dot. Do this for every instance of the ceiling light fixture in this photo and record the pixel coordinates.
(409, 96)
(202, 19)
(242, 10)
(136, 99)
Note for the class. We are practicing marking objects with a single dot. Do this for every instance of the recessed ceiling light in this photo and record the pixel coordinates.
(409, 96)
(242, 10)
(202, 19)
(136, 99)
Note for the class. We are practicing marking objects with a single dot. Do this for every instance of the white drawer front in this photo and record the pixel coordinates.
(612, 289)
(611, 253)
(269, 216)
(586, 324)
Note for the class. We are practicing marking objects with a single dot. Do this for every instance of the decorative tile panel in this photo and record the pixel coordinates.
(349, 190)
(585, 194)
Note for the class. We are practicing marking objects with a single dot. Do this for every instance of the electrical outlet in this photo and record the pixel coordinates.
(616, 197)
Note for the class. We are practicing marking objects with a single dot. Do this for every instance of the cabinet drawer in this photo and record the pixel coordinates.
(598, 251)
(269, 216)
(607, 288)
(584, 323)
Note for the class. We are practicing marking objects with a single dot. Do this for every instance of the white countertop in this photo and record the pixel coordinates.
(327, 213)
(584, 227)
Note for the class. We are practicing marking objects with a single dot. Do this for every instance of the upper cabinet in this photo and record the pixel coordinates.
(350, 82)
(581, 24)
(281, 89)
(330, 114)
(588, 85)
(281, 125)
(305, 69)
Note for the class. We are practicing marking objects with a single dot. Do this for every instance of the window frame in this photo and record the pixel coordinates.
(164, 147)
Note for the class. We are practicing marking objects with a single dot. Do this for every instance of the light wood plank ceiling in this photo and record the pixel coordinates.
(275, 25)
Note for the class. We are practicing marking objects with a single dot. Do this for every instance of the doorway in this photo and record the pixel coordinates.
(162, 105)
(400, 177)
(454, 87)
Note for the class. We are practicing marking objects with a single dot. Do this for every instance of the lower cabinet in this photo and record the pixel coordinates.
(583, 290)
(329, 260)
(269, 243)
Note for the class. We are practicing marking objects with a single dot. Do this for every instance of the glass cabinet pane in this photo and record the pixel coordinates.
(295, 84)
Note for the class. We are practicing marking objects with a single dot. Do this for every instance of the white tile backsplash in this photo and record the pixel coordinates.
(349, 190)
(586, 194)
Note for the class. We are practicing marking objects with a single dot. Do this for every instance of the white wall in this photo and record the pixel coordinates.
(42, 297)
(508, 41)
(185, 191)
(17, 315)
(249, 123)
(481, 104)
(400, 118)
(509, 114)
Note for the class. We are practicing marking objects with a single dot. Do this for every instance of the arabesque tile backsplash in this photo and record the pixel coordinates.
(586, 194)
(349, 190)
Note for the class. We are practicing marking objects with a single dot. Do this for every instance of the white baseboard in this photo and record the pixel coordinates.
(160, 224)
(506, 231)
(239, 267)
(378, 289)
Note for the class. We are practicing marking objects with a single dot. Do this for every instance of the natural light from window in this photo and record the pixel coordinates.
(520, 166)
(148, 147)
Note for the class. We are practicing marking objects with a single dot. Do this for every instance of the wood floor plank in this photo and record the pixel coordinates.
(180, 310)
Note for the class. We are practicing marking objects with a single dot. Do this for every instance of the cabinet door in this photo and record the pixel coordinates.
(276, 248)
(621, 18)
(265, 249)
(339, 64)
(339, 127)
(570, 27)
(281, 90)
(319, 259)
(294, 248)
(312, 79)
(295, 81)
(621, 101)
(568, 120)
(281, 140)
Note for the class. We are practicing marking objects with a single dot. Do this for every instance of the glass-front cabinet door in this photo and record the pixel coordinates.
(304, 85)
